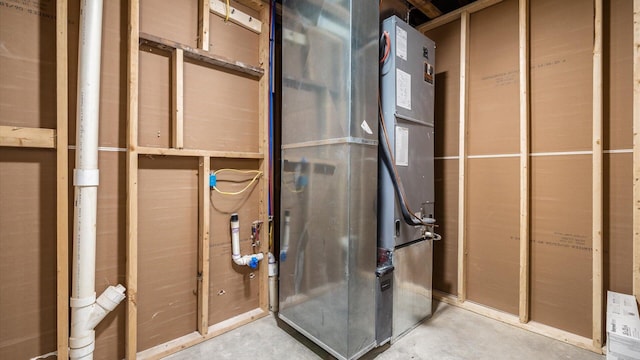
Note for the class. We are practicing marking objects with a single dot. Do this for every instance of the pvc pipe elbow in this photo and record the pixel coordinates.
(248, 260)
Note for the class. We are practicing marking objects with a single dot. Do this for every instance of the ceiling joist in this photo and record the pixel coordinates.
(426, 7)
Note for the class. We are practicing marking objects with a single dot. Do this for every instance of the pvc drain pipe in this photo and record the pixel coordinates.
(248, 260)
(86, 311)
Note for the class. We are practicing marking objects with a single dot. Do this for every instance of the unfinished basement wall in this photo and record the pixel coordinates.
(27, 182)
(618, 162)
(561, 82)
(492, 199)
(447, 108)
(223, 122)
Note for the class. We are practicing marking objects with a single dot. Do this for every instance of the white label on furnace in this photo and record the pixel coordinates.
(403, 89)
(401, 43)
(402, 146)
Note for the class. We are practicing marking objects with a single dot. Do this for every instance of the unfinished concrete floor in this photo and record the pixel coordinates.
(451, 334)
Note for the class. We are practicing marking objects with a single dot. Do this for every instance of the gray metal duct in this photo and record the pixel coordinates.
(329, 172)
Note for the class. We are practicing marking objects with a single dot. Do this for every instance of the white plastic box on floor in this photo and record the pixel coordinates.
(623, 327)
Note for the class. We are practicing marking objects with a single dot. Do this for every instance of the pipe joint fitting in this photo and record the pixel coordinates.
(86, 177)
(248, 260)
(82, 302)
(83, 352)
(273, 266)
(111, 297)
(87, 338)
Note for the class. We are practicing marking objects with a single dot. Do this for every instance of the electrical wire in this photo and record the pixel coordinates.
(387, 47)
(415, 220)
(228, 12)
(257, 173)
(237, 171)
(288, 186)
(271, 234)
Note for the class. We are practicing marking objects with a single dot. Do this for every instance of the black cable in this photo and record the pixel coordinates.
(406, 216)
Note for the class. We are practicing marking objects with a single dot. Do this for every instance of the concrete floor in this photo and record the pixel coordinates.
(451, 334)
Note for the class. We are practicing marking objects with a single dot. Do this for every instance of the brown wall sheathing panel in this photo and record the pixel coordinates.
(561, 253)
(447, 97)
(113, 82)
(618, 222)
(492, 232)
(233, 289)
(175, 20)
(154, 125)
(618, 130)
(561, 75)
(110, 250)
(232, 40)
(28, 63)
(27, 253)
(167, 248)
(445, 252)
(110, 246)
(493, 123)
(220, 110)
(618, 72)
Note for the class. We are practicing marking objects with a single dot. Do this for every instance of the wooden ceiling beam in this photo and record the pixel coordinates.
(455, 15)
(427, 8)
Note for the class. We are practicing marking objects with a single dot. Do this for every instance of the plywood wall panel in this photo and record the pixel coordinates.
(175, 20)
(110, 250)
(561, 75)
(154, 124)
(618, 130)
(561, 253)
(233, 289)
(232, 40)
(492, 233)
(447, 97)
(445, 252)
(561, 121)
(493, 123)
(618, 222)
(28, 63)
(27, 253)
(167, 248)
(220, 110)
(618, 72)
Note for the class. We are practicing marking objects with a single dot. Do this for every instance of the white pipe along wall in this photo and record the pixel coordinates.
(86, 311)
(248, 260)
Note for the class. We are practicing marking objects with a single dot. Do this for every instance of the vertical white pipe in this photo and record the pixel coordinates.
(86, 179)
(273, 283)
(235, 236)
(284, 248)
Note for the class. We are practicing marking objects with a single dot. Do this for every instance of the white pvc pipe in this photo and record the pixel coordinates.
(235, 235)
(86, 313)
(273, 283)
(248, 260)
(285, 237)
